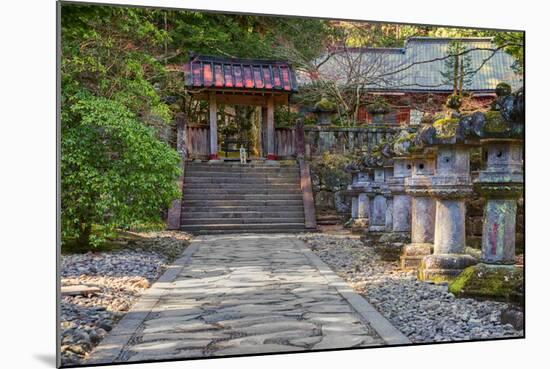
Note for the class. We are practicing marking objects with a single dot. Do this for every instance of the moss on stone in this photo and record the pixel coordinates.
(379, 106)
(446, 127)
(454, 101)
(325, 105)
(503, 89)
(495, 123)
(440, 279)
(488, 281)
(405, 136)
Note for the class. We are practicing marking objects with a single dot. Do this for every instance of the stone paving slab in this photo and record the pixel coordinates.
(245, 294)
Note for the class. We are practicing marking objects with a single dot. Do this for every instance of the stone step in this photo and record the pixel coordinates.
(226, 169)
(256, 230)
(251, 187)
(257, 227)
(242, 197)
(194, 174)
(329, 219)
(207, 192)
(216, 213)
(232, 197)
(208, 203)
(232, 165)
(215, 221)
(283, 209)
(223, 180)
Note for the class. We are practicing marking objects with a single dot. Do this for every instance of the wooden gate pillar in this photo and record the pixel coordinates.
(271, 128)
(213, 121)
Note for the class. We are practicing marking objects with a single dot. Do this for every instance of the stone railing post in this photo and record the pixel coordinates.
(422, 211)
(451, 184)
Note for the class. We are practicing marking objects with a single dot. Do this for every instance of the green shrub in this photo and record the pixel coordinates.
(330, 170)
(114, 172)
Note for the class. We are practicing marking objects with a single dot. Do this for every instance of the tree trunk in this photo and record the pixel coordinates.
(84, 234)
(461, 78)
(455, 75)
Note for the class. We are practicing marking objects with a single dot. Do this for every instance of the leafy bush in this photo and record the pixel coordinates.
(329, 170)
(114, 172)
(379, 106)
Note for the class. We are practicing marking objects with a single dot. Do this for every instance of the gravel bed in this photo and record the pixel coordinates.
(423, 311)
(122, 276)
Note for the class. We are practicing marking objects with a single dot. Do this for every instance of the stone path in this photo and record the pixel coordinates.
(245, 294)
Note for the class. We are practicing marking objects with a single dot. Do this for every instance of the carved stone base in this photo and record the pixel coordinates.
(413, 254)
(377, 228)
(392, 237)
(359, 226)
(443, 267)
(389, 251)
(371, 238)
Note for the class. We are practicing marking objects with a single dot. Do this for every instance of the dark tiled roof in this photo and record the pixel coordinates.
(240, 74)
(425, 56)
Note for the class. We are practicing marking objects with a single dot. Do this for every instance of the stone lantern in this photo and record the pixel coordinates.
(396, 220)
(401, 201)
(422, 209)
(378, 110)
(324, 109)
(450, 185)
(500, 182)
(359, 200)
(374, 190)
(362, 200)
(377, 192)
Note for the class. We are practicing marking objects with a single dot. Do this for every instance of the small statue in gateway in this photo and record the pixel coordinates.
(242, 151)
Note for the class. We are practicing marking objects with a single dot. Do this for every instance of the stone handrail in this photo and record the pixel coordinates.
(307, 194)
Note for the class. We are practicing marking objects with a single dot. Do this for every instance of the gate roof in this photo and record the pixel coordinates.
(246, 75)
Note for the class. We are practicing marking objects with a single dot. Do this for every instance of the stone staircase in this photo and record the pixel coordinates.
(232, 197)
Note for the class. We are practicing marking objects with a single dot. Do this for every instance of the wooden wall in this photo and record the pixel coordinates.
(285, 142)
(197, 141)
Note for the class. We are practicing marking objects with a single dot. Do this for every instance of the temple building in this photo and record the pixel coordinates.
(414, 73)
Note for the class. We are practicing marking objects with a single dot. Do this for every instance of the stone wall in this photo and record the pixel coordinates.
(343, 140)
(329, 181)
(329, 149)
